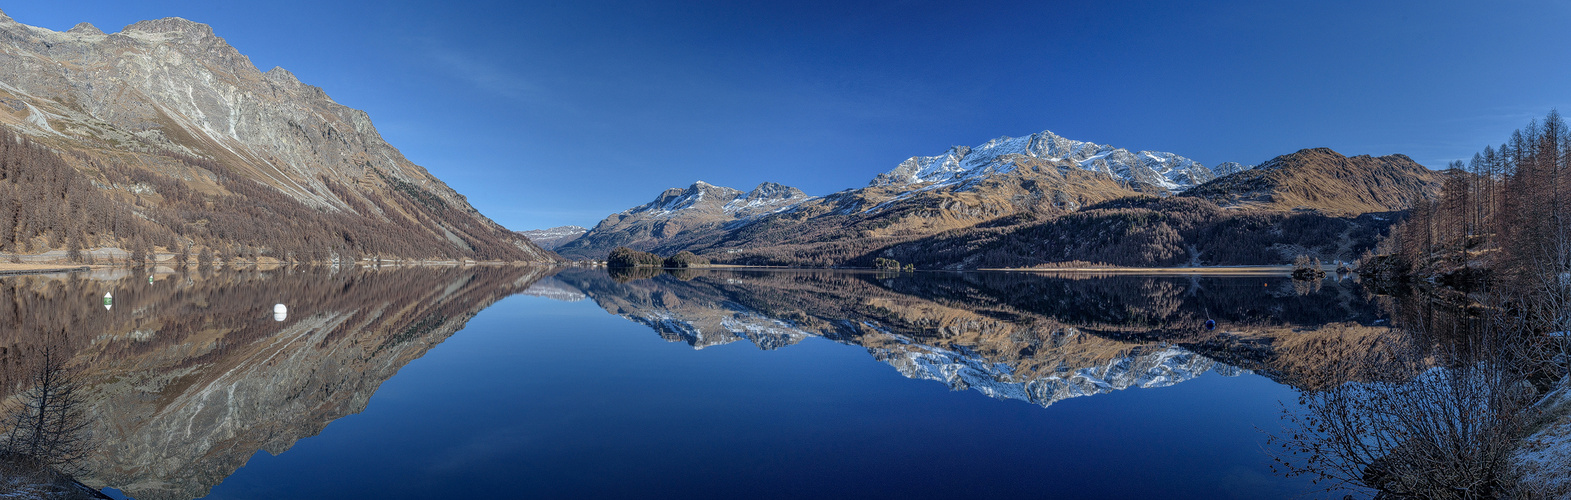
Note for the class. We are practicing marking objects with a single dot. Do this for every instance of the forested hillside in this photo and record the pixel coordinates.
(1504, 215)
(163, 139)
(1146, 232)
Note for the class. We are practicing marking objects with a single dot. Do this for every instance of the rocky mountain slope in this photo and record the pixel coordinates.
(1041, 173)
(554, 237)
(171, 123)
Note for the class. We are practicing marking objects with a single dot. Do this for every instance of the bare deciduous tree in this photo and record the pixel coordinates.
(47, 424)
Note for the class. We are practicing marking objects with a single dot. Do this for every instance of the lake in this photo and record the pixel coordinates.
(533, 382)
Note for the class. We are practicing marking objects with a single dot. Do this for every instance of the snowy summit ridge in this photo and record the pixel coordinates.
(1167, 170)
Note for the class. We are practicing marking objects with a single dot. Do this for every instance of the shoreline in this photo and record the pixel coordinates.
(10, 269)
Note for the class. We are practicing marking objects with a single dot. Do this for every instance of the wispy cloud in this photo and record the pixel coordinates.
(487, 75)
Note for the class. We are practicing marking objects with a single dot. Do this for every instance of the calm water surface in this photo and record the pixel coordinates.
(534, 383)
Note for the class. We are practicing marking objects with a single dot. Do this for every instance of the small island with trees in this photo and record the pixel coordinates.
(623, 257)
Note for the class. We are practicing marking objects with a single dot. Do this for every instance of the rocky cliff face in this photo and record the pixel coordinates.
(169, 98)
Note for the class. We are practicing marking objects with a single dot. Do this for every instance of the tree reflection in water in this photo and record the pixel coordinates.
(189, 374)
(1438, 417)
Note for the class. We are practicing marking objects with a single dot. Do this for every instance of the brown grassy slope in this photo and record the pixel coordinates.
(1324, 180)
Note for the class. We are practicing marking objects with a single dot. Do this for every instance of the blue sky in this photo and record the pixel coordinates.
(548, 113)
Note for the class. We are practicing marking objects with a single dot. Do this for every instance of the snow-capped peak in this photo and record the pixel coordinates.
(1168, 170)
(705, 197)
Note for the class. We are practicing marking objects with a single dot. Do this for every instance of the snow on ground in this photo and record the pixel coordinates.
(1545, 456)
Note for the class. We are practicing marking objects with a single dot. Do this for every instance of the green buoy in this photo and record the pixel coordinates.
(109, 301)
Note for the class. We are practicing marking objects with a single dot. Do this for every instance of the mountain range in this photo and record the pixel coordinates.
(996, 204)
(175, 137)
(554, 237)
(922, 195)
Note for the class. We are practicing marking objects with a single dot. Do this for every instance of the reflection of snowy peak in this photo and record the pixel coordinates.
(552, 288)
(961, 370)
(719, 327)
(701, 316)
(1166, 170)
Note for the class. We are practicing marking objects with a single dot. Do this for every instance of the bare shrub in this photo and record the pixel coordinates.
(1447, 432)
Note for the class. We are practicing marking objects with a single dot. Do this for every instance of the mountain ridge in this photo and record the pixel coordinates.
(1039, 173)
(551, 238)
(1323, 179)
(994, 206)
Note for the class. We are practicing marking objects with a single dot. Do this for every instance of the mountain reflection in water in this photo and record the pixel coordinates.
(191, 374)
(1018, 336)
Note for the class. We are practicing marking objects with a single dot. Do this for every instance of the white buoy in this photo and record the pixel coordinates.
(280, 312)
(109, 301)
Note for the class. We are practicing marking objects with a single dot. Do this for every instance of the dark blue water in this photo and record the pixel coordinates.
(544, 399)
(539, 383)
